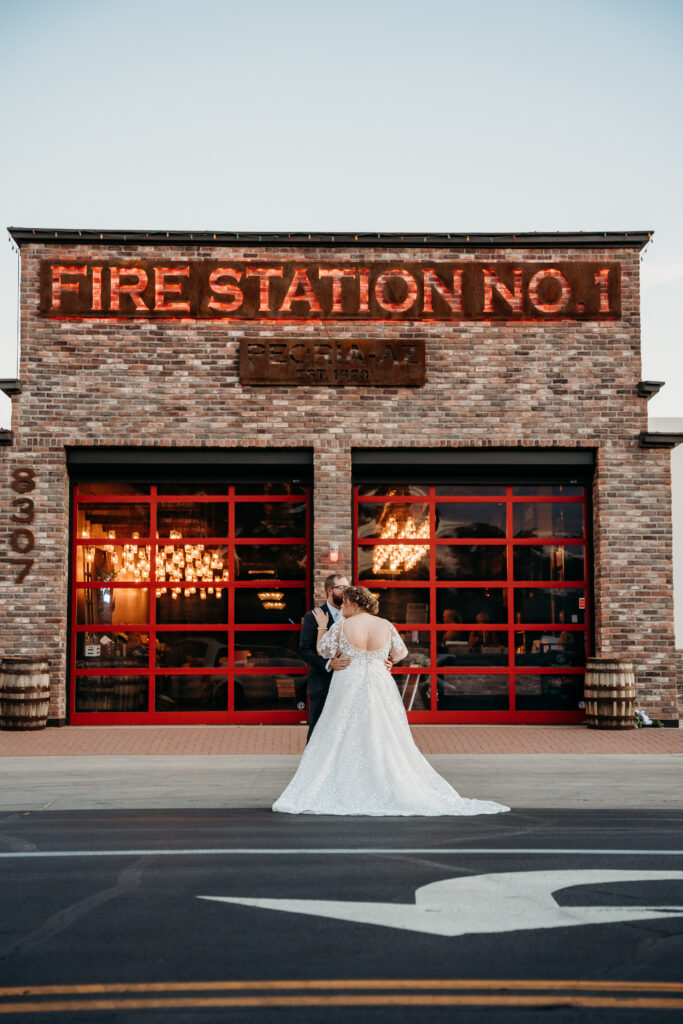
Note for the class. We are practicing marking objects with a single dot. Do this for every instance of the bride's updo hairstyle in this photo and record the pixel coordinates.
(362, 597)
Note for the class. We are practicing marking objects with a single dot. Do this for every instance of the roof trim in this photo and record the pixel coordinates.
(350, 239)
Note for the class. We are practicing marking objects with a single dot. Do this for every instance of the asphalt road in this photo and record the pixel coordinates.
(242, 915)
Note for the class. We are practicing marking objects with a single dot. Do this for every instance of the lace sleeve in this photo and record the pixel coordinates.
(329, 642)
(398, 648)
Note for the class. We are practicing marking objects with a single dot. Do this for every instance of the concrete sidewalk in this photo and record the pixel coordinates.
(571, 781)
(568, 767)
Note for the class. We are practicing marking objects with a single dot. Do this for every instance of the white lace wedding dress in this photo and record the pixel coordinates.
(361, 757)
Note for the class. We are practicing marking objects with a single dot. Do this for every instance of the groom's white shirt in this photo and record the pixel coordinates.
(336, 615)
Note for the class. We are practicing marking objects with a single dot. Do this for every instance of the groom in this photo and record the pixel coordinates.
(320, 670)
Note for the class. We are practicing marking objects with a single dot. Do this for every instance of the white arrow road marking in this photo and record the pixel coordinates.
(508, 901)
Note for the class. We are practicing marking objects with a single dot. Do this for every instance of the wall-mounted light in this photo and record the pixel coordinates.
(334, 552)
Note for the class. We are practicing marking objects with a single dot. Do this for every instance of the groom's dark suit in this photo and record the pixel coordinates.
(319, 678)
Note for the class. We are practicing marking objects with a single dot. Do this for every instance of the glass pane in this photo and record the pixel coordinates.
(112, 520)
(552, 650)
(270, 561)
(393, 519)
(547, 519)
(481, 604)
(193, 649)
(470, 519)
(470, 489)
(270, 519)
(457, 648)
(403, 604)
(276, 647)
(418, 649)
(189, 487)
(179, 605)
(472, 693)
(108, 487)
(110, 606)
(272, 487)
(270, 607)
(555, 604)
(125, 563)
(476, 562)
(415, 690)
(393, 561)
(111, 693)
(550, 562)
(568, 490)
(112, 650)
(192, 563)
(191, 693)
(548, 692)
(386, 490)
(270, 693)
(192, 519)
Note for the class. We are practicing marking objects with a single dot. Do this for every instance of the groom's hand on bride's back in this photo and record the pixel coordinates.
(339, 662)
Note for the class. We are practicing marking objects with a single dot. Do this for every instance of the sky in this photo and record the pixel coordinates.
(374, 115)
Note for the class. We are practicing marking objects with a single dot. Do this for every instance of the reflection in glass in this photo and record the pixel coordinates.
(270, 606)
(465, 604)
(102, 563)
(403, 604)
(475, 562)
(469, 489)
(273, 487)
(111, 606)
(547, 519)
(112, 650)
(550, 562)
(385, 490)
(192, 519)
(470, 519)
(180, 605)
(270, 561)
(192, 649)
(270, 692)
(418, 645)
(472, 692)
(393, 519)
(270, 519)
(204, 487)
(567, 490)
(276, 647)
(550, 650)
(109, 487)
(393, 561)
(113, 520)
(191, 693)
(545, 692)
(458, 648)
(111, 693)
(554, 604)
(415, 690)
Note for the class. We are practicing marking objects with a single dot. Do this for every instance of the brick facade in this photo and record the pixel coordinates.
(511, 385)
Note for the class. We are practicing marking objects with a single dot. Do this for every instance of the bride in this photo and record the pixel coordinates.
(361, 757)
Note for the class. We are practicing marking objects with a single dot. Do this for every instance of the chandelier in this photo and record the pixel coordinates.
(182, 563)
(398, 523)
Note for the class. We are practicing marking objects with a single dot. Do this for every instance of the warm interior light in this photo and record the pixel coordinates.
(394, 559)
(334, 552)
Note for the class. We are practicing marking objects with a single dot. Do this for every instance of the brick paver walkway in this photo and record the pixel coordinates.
(290, 739)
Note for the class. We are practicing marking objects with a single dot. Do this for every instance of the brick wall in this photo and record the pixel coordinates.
(169, 383)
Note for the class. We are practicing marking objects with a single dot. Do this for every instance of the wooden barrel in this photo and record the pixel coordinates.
(24, 693)
(610, 694)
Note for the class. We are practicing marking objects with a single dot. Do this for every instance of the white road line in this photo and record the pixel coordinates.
(337, 851)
